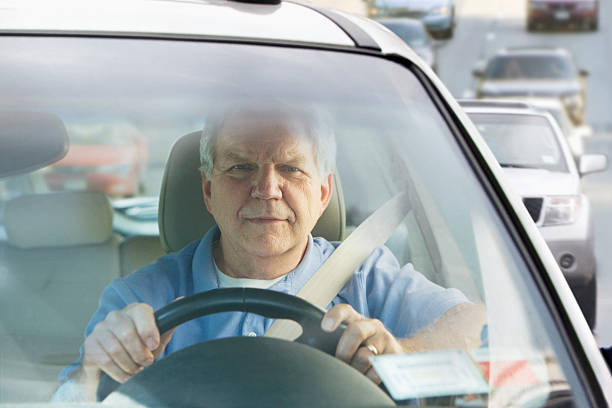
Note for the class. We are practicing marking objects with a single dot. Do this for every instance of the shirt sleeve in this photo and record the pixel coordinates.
(110, 300)
(402, 298)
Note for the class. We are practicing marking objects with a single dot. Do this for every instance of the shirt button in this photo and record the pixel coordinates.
(252, 334)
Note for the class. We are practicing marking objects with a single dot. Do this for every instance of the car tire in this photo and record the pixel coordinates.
(594, 25)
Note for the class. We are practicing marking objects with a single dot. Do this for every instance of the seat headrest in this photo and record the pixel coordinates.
(182, 215)
(58, 219)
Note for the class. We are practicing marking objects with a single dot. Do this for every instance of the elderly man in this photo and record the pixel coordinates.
(266, 179)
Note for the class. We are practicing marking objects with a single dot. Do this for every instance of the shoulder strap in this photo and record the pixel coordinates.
(331, 277)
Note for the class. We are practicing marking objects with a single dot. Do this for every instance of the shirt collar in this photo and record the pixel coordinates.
(205, 277)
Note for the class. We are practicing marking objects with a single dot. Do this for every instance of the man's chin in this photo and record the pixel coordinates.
(268, 245)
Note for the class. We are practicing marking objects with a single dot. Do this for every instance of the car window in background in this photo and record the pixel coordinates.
(414, 34)
(521, 141)
(531, 67)
(390, 137)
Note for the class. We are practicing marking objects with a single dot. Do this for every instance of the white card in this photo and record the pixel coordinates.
(429, 374)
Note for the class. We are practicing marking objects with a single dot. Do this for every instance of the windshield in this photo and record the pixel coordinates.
(530, 67)
(65, 235)
(414, 34)
(521, 141)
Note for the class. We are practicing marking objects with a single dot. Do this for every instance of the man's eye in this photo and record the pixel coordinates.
(242, 167)
(290, 169)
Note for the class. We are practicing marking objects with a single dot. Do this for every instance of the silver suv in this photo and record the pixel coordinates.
(539, 165)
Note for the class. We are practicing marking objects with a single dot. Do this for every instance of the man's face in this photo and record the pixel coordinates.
(265, 191)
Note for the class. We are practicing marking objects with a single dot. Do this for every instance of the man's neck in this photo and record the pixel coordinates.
(236, 264)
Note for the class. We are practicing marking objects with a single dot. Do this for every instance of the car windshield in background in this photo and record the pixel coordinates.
(413, 34)
(58, 252)
(521, 141)
(530, 67)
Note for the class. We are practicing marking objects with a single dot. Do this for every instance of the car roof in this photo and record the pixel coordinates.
(536, 50)
(252, 20)
(209, 18)
(513, 107)
(494, 105)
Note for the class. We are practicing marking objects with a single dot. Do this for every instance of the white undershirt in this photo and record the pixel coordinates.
(226, 281)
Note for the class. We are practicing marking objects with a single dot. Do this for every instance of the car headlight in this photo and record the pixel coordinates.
(440, 11)
(538, 6)
(559, 210)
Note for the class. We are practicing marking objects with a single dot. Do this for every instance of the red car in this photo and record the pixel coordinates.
(99, 160)
(554, 13)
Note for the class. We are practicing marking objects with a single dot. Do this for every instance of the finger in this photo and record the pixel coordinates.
(356, 334)
(165, 339)
(115, 350)
(143, 318)
(338, 314)
(95, 355)
(361, 360)
(124, 326)
(372, 375)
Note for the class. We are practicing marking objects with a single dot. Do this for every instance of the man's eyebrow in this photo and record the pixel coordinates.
(234, 157)
(287, 157)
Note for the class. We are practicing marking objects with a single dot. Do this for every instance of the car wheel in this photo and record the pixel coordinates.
(594, 25)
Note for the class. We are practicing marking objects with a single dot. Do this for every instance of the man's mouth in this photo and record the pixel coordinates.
(265, 220)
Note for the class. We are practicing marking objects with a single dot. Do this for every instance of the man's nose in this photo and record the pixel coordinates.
(266, 185)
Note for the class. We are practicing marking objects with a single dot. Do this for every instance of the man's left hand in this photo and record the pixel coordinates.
(362, 338)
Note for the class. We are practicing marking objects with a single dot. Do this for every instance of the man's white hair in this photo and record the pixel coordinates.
(305, 121)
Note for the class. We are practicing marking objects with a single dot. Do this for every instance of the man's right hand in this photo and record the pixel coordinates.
(124, 343)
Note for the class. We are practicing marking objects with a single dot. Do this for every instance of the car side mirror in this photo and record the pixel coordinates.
(30, 141)
(583, 73)
(591, 163)
(583, 131)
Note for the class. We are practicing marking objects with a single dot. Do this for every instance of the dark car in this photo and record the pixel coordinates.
(534, 72)
(415, 34)
(556, 13)
(437, 15)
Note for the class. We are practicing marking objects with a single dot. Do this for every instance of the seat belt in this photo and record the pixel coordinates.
(332, 276)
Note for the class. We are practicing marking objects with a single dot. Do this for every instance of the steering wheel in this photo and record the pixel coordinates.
(239, 371)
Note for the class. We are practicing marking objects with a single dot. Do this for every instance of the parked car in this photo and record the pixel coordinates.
(555, 13)
(167, 67)
(534, 72)
(105, 156)
(536, 157)
(415, 34)
(437, 15)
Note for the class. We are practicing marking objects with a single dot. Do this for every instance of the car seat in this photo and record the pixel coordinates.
(183, 217)
(60, 253)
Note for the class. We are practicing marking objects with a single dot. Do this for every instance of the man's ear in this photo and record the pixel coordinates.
(326, 192)
(206, 190)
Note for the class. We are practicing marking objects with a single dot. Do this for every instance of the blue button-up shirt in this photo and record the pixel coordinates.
(403, 299)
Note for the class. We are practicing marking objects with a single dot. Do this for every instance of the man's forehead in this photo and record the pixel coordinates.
(280, 137)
